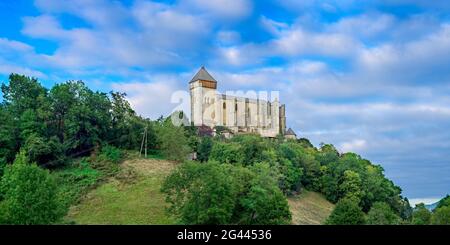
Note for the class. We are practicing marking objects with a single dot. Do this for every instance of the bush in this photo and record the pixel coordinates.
(110, 154)
(75, 180)
(29, 195)
(346, 212)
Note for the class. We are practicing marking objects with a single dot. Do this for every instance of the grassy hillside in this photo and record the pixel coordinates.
(133, 197)
(309, 208)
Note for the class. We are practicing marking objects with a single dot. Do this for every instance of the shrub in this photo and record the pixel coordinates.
(75, 180)
(29, 195)
(110, 154)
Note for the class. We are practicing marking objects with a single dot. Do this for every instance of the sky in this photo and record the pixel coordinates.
(372, 77)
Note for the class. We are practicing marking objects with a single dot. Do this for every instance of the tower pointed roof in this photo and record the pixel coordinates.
(203, 74)
(290, 132)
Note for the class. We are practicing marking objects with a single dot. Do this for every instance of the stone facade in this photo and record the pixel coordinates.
(239, 114)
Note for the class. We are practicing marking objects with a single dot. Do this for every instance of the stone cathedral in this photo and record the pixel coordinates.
(237, 113)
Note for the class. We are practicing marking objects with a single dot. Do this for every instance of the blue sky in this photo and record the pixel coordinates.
(367, 76)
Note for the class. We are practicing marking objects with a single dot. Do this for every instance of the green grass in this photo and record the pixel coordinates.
(309, 208)
(132, 199)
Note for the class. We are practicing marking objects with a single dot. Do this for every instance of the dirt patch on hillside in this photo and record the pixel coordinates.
(150, 166)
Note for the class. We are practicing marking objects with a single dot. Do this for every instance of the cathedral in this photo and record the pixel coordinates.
(251, 114)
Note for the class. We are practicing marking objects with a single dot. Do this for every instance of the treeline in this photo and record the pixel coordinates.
(69, 120)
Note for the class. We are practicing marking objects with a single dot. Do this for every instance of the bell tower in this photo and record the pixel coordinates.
(202, 89)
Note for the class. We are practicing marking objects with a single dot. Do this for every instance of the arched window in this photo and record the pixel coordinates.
(224, 114)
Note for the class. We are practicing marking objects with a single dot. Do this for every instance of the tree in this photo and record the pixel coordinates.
(346, 212)
(227, 153)
(351, 186)
(173, 141)
(264, 204)
(8, 142)
(23, 93)
(382, 214)
(28, 194)
(444, 202)
(421, 215)
(201, 193)
(47, 153)
(204, 149)
(251, 147)
(441, 216)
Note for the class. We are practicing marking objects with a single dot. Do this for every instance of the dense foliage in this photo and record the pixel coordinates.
(28, 195)
(346, 212)
(213, 193)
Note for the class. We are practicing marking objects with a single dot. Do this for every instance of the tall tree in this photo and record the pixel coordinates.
(28, 195)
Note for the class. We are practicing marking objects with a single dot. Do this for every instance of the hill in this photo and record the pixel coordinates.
(133, 197)
(309, 208)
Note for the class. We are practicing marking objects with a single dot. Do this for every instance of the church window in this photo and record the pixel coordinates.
(224, 114)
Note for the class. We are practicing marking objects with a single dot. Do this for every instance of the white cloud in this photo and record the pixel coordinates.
(353, 146)
(429, 200)
(223, 9)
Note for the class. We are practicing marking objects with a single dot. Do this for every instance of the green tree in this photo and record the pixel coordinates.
(346, 212)
(444, 202)
(251, 147)
(23, 93)
(227, 153)
(204, 149)
(382, 214)
(264, 203)
(201, 193)
(421, 215)
(45, 152)
(441, 216)
(173, 141)
(8, 142)
(29, 194)
(351, 186)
